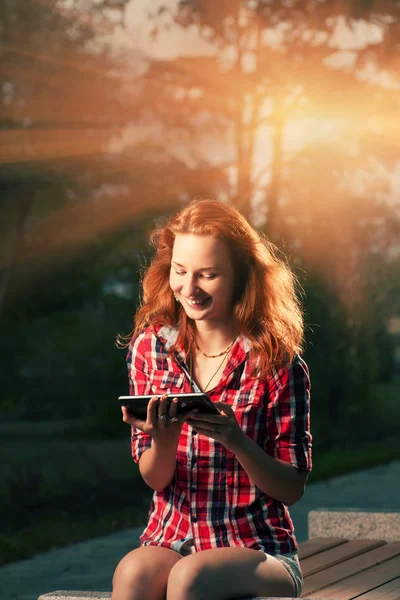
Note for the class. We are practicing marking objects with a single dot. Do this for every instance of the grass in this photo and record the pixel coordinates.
(43, 466)
(339, 462)
(55, 492)
(61, 530)
(57, 488)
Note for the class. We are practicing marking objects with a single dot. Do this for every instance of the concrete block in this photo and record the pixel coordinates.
(354, 524)
(66, 595)
(70, 595)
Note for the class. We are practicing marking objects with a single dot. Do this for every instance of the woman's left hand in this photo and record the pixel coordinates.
(223, 428)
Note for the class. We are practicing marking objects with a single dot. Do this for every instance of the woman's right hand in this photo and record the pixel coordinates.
(162, 425)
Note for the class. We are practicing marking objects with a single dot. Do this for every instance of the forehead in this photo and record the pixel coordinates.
(200, 251)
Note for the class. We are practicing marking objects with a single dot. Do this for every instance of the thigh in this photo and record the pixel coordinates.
(143, 573)
(228, 573)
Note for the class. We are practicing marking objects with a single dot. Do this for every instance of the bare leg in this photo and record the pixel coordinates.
(143, 574)
(228, 573)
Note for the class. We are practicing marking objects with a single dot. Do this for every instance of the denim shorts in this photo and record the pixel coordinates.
(290, 561)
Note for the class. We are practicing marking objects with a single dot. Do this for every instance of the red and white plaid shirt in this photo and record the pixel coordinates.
(211, 499)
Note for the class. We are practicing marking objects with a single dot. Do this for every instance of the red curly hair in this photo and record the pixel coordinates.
(265, 308)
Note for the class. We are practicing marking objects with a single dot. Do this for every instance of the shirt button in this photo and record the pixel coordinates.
(194, 520)
(194, 432)
(194, 460)
(182, 539)
(192, 489)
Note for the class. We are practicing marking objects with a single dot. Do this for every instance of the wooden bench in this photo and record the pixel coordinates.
(349, 555)
(340, 569)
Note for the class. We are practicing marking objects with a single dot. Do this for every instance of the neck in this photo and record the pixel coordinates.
(213, 338)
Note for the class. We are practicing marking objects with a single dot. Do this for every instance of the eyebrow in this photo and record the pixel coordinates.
(201, 268)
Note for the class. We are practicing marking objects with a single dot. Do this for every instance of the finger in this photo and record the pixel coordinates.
(209, 418)
(152, 411)
(188, 415)
(226, 410)
(126, 416)
(163, 405)
(201, 424)
(208, 432)
(133, 421)
(224, 405)
(163, 411)
(173, 410)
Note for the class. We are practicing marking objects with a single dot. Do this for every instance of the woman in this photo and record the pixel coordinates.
(219, 314)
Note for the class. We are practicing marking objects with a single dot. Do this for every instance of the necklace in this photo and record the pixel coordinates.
(212, 377)
(214, 355)
(219, 366)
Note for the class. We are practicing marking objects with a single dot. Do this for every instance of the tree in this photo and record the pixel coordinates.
(47, 70)
(272, 63)
(275, 63)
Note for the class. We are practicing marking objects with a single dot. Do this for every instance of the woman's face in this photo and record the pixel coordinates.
(202, 277)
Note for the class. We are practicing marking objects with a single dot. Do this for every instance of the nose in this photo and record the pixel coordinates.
(189, 287)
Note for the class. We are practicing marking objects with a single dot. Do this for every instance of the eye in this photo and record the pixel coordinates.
(209, 276)
(180, 272)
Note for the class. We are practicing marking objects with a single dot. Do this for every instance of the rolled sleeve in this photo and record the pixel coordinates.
(291, 439)
(139, 383)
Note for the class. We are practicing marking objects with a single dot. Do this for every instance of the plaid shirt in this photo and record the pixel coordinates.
(211, 499)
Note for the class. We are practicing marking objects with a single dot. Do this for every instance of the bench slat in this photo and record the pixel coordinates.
(357, 585)
(337, 573)
(389, 591)
(316, 545)
(336, 555)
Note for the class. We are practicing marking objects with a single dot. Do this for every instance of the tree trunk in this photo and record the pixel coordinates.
(15, 243)
(274, 190)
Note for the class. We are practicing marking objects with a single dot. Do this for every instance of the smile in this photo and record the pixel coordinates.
(197, 302)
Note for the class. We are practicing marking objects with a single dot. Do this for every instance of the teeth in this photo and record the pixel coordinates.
(195, 302)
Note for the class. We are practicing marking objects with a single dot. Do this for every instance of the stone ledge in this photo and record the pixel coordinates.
(354, 524)
(72, 595)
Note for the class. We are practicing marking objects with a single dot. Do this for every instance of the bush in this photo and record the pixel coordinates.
(344, 364)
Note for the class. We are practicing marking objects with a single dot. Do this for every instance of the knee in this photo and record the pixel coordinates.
(133, 567)
(127, 570)
(188, 580)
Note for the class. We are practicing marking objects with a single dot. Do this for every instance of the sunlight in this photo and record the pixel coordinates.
(172, 95)
(161, 38)
(37, 145)
(308, 130)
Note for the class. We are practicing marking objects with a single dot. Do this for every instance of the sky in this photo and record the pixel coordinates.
(135, 35)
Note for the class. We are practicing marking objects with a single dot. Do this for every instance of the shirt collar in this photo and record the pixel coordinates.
(168, 335)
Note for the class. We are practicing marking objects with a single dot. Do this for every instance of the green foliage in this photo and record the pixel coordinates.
(61, 306)
(347, 355)
(74, 489)
(60, 359)
(353, 458)
(59, 530)
(67, 365)
(69, 490)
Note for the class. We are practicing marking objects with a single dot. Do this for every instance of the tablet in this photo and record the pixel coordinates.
(137, 405)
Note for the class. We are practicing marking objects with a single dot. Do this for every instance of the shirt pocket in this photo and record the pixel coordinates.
(167, 382)
(245, 399)
(248, 405)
